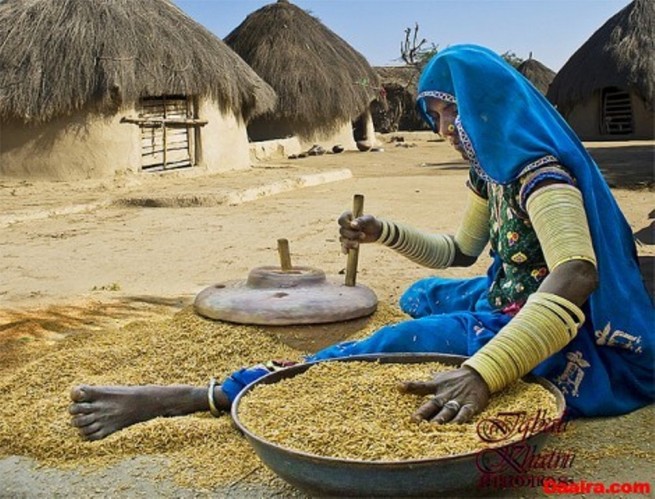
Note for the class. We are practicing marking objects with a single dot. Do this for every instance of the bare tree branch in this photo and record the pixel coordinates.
(409, 51)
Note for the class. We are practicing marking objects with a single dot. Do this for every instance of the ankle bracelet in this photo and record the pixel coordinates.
(210, 397)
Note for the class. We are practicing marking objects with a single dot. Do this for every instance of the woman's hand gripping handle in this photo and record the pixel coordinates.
(365, 229)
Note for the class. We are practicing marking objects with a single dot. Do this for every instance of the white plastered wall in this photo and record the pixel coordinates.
(224, 140)
(644, 119)
(343, 135)
(88, 145)
(584, 118)
(370, 129)
(80, 146)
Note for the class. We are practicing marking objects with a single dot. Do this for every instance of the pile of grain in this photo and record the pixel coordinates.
(353, 410)
(203, 452)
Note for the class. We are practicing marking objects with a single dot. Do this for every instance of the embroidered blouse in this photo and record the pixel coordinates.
(512, 236)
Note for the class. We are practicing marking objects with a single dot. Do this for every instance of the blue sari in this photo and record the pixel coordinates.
(508, 128)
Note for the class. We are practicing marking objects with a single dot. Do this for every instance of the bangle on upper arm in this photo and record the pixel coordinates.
(473, 232)
(558, 216)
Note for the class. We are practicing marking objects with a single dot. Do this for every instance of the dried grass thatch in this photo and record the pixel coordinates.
(619, 54)
(320, 80)
(396, 110)
(405, 76)
(60, 56)
(539, 75)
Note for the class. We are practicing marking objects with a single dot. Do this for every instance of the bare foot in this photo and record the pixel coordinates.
(98, 411)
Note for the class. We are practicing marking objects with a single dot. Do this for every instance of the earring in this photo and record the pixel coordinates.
(451, 128)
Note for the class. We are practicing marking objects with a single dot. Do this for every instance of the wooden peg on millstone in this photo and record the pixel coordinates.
(353, 253)
(285, 255)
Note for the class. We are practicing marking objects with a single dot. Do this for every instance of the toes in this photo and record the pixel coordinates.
(81, 420)
(101, 433)
(81, 408)
(89, 432)
(80, 393)
(83, 397)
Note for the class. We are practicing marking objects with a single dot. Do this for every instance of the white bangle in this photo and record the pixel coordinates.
(210, 397)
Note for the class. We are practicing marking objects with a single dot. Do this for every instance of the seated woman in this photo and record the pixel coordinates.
(563, 297)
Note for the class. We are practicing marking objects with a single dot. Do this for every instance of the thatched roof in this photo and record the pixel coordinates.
(320, 80)
(401, 76)
(57, 56)
(539, 75)
(619, 54)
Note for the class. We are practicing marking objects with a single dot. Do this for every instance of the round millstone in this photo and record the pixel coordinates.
(276, 297)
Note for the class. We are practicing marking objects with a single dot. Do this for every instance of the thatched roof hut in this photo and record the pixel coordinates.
(322, 83)
(396, 108)
(612, 76)
(76, 62)
(539, 75)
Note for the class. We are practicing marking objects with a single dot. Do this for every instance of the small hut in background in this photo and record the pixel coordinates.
(606, 90)
(396, 108)
(89, 89)
(324, 86)
(539, 75)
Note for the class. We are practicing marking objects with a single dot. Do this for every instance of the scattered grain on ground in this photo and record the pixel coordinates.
(203, 452)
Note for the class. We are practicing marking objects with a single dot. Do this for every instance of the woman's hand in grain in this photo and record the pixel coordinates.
(365, 229)
(457, 396)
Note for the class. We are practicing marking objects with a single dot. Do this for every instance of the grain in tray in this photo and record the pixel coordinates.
(353, 410)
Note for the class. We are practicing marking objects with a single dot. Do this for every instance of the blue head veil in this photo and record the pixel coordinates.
(508, 127)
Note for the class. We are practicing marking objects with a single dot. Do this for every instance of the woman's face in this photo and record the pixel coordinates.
(444, 113)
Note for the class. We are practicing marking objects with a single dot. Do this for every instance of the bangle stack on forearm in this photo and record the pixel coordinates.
(545, 325)
(435, 251)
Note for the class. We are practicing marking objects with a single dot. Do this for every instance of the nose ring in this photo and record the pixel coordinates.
(451, 128)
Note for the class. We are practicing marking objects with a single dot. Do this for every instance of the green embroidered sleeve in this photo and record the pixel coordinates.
(514, 240)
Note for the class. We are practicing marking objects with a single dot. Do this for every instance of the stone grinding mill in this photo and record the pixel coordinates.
(289, 295)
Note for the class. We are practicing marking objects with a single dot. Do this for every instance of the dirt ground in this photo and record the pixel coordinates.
(94, 255)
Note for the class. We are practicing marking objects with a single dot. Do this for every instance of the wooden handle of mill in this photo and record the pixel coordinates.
(353, 254)
(285, 255)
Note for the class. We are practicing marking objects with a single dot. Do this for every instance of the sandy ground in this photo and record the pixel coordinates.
(93, 255)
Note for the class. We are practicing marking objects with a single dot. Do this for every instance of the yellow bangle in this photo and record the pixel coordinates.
(473, 232)
(436, 251)
(545, 325)
(558, 216)
(570, 307)
(384, 234)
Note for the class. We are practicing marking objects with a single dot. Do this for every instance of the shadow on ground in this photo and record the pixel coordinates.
(647, 265)
(646, 235)
(37, 330)
(626, 167)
